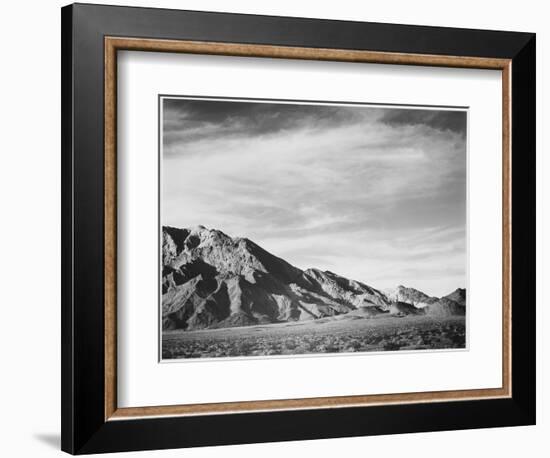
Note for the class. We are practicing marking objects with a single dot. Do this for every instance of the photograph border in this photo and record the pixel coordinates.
(91, 37)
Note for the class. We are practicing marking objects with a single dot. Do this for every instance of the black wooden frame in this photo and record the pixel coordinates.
(84, 429)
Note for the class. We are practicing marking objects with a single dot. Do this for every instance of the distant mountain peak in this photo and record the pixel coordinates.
(459, 290)
(458, 296)
(410, 295)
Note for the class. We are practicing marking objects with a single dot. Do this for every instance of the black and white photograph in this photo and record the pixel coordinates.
(292, 228)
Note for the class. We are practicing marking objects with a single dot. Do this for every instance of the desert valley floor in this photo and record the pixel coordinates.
(348, 333)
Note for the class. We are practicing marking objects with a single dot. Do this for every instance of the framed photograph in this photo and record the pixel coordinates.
(273, 221)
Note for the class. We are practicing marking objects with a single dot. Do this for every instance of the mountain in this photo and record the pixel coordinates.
(458, 295)
(451, 304)
(411, 296)
(445, 307)
(211, 280)
(405, 308)
(350, 291)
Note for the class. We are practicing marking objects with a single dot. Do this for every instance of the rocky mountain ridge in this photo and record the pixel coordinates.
(212, 280)
(411, 296)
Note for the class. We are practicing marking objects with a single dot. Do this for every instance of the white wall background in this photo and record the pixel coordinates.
(30, 228)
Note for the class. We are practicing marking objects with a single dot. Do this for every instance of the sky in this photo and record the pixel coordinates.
(376, 194)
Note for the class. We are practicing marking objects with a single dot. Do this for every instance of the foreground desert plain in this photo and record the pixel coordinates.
(228, 297)
(344, 335)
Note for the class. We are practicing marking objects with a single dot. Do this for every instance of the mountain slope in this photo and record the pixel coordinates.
(411, 296)
(458, 295)
(211, 280)
(444, 307)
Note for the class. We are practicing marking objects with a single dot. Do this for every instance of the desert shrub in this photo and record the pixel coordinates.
(290, 344)
(391, 346)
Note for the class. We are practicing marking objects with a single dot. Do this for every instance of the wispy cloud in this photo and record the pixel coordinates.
(373, 194)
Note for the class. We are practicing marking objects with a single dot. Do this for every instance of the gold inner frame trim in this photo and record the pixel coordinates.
(114, 44)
